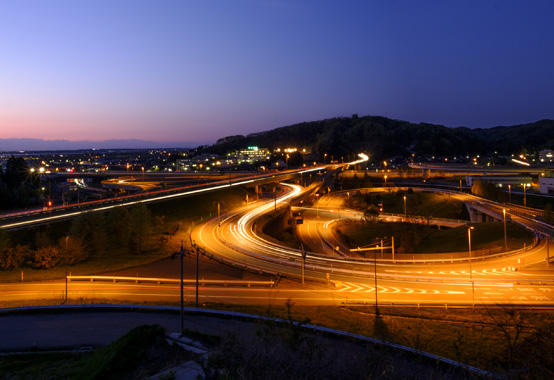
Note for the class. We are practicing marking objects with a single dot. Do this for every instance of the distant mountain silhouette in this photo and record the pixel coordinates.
(341, 136)
(39, 144)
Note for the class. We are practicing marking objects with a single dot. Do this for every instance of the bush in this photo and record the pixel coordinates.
(44, 258)
(11, 257)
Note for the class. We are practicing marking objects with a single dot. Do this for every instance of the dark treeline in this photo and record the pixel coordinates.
(383, 138)
(19, 187)
(122, 231)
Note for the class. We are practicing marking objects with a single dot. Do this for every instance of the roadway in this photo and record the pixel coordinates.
(27, 218)
(354, 291)
(331, 278)
(490, 281)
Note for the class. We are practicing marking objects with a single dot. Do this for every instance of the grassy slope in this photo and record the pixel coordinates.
(484, 236)
(438, 205)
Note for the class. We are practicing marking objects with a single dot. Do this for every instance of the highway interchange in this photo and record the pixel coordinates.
(493, 281)
(330, 277)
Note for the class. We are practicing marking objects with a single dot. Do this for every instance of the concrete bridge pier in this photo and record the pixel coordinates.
(479, 213)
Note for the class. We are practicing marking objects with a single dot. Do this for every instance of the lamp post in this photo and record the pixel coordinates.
(385, 180)
(317, 204)
(197, 270)
(548, 240)
(524, 196)
(509, 193)
(66, 252)
(470, 270)
(348, 199)
(303, 261)
(505, 235)
(405, 214)
(375, 275)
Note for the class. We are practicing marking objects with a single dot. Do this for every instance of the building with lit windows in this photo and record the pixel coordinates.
(252, 154)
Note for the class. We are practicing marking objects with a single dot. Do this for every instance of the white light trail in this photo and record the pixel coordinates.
(521, 162)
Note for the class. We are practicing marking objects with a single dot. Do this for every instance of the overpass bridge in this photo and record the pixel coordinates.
(56, 213)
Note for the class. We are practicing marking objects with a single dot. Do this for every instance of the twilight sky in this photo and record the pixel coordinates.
(196, 71)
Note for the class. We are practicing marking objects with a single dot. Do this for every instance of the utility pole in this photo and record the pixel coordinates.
(505, 235)
(524, 196)
(197, 264)
(470, 271)
(66, 253)
(303, 261)
(547, 238)
(181, 253)
(375, 275)
(509, 193)
(374, 249)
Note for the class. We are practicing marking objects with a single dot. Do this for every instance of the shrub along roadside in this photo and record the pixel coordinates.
(102, 242)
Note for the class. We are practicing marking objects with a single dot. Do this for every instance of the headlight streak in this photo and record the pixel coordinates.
(274, 253)
(104, 208)
(290, 257)
(135, 201)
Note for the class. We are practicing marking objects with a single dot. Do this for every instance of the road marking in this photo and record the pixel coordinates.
(356, 288)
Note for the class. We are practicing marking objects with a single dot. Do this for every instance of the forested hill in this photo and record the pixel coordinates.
(383, 137)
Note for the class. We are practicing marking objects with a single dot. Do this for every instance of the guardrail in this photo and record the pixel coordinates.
(203, 282)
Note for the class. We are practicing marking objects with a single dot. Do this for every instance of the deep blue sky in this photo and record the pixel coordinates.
(201, 70)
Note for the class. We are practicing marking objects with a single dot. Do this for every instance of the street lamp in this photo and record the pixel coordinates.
(405, 214)
(524, 196)
(505, 235)
(375, 275)
(317, 204)
(385, 180)
(470, 270)
(509, 193)
(66, 253)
